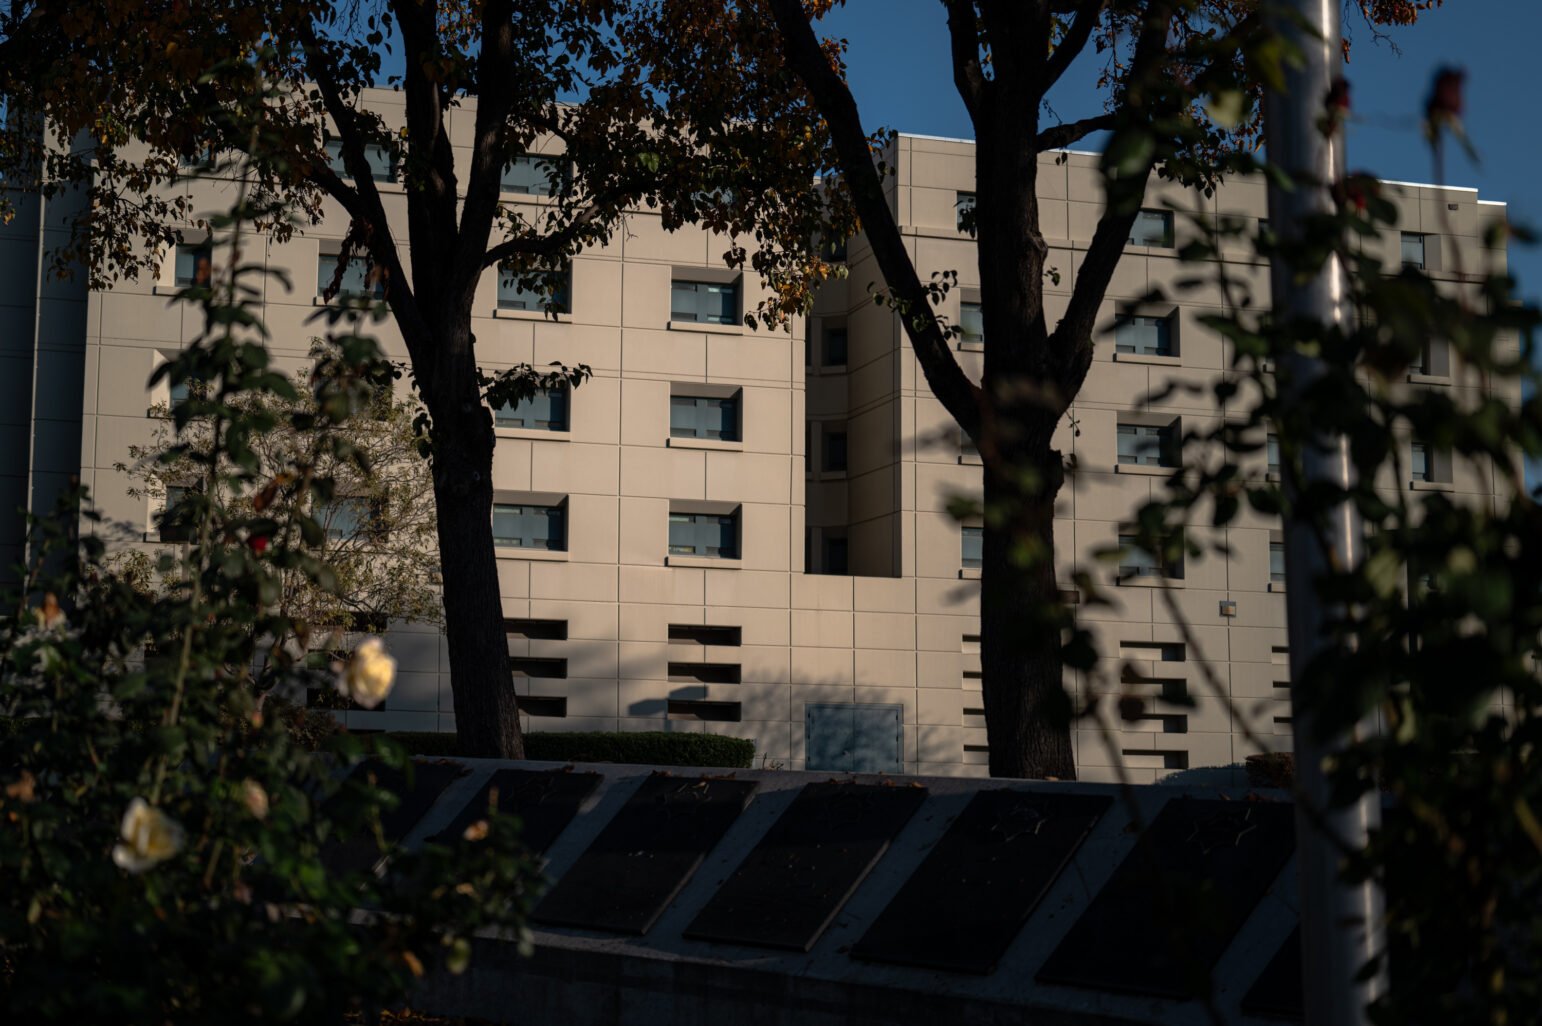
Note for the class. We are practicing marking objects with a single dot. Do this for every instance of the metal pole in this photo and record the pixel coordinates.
(1341, 925)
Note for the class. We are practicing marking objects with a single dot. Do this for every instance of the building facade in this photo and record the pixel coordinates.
(747, 532)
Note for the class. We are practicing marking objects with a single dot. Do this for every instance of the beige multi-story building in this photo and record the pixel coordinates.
(746, 532)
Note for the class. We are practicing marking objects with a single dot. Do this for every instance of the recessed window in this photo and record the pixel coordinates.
(967, 450)
(195, 264)
(1435, 358)
(701, 709)
(833, 451)
(529, 526)
(182, 391)
(704, 416)
(552, 706)
(1146, 445)
(531, 628)
(835, 347)
(1136, 561)
(704, 634)
(532, 174)
(836, 559)
(1277, 562)
(972, 547)
(1272, 452)
(518, 291)
(1147, 336)
(704, 302)
(834, 251)
(546, 410)
(382, 162)
(704, 673)
(360, 279)
(704, 535)
(1420, 466)
(177, 519)
(346, 517)
(1153, 228)
(971, 320)
(963, 211)
(528, 666)
(1414, 250)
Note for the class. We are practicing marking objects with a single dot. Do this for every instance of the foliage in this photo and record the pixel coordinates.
(1436, 634)
(645, 748)
(161, 854)
(370, 513)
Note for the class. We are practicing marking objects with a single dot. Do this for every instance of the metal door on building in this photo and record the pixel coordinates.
(854, 738)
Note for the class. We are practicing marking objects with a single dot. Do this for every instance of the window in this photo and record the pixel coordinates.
(182, 391)
(532, 666)
(381, 161)
(552, 287)
(1434, 358)
(1419, 463)
(1277, 562)
(972, 547)
(703, 634)
(963, 211)
(1135, 561)
(971, 319)
(347, 517)
(1153, 228)
(359, 278)
(835, 347)
(834, 450)
(177, 517)
(705, 535)
(967, 450)
(1148, 446)
(531, 174)
(529, 526)
(203, 159)
(704, 673)
(535, 629)
(704, 302)
(704, 416)
(195, 262)
(836, 550)
(834, 250)
(1149, 336)
(546, 410)
(1414, 250)
(1272, 453)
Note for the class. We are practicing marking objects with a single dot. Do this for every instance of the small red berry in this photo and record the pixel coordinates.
(257, 543)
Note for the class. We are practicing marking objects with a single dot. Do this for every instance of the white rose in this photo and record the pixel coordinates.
(255, 798)
(149, 836)
(368, 677)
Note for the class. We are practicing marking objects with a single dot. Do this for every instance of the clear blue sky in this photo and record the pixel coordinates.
(902, 79)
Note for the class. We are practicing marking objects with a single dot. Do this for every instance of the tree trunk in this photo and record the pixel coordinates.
(1027, 713)
(486, 716)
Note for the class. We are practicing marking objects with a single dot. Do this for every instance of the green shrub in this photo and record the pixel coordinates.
(653, 748)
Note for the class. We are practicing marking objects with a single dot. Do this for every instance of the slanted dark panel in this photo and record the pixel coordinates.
(705, 635)
(1177, 900)
(429, 780)
(705, 673)
(796, 879)
(553, 706)
(544, 800)
(690, 709)
(545, 630)
(1277, 991)
(645, 854)
(964, 905)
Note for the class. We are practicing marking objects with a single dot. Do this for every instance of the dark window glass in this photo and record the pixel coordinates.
(707, 535)
(530, 527)
(700, 416)
(546, 410)
(704, 302)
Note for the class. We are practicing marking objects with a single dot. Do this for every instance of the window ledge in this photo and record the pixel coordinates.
(1143, 469)
(1432, 486)
(1149, 582)
(971, 347)
(969, 460)
(340, 299)
(711, 329)
(502, 314)
(542, 555)
(1277, 587)
(1414, 377)
(711, 444)
(704, 562)
(162, 289)
(969, 573)
(1148, 358)
(532, 434)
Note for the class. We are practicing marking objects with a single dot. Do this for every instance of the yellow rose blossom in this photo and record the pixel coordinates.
(255, 799)
(149, 837)
(368, 677)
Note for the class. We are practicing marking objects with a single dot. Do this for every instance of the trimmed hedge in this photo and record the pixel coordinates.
(656, 748)
(1271, 769)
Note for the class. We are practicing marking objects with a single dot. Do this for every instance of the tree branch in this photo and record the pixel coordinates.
(968, 77)
(1058, 137)
(1088, 12)
(808, 60)
(495, 97)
